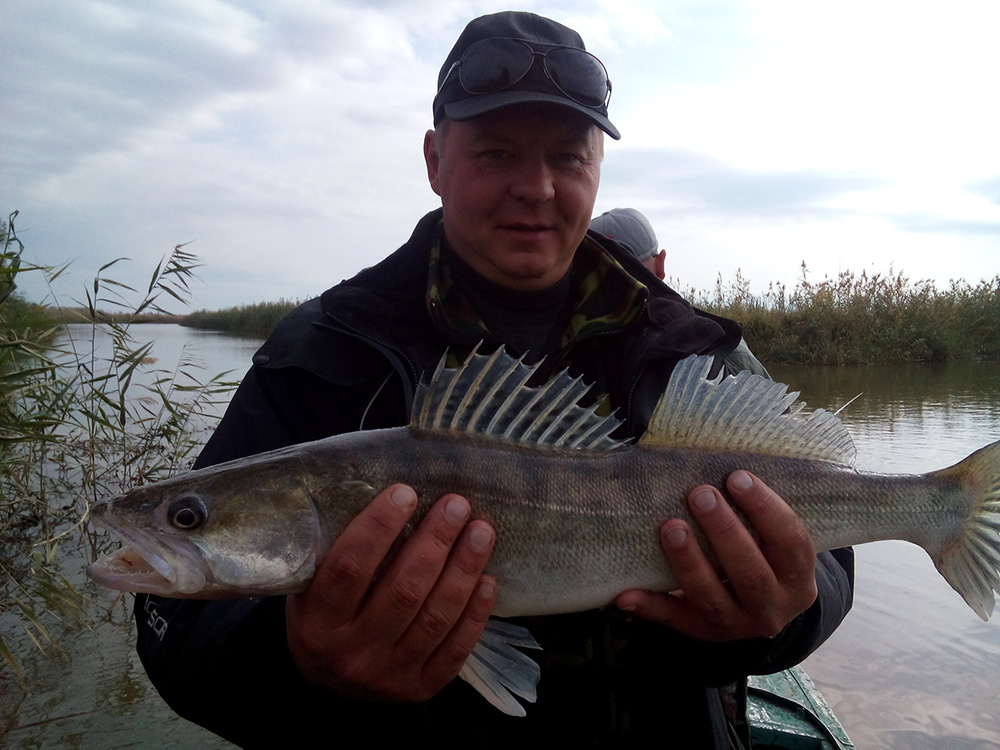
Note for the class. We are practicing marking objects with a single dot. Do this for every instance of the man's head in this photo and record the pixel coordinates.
(517, 148)
(632, 230)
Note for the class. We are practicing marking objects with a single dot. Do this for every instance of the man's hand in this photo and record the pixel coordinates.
(764, 582)
(403, 632)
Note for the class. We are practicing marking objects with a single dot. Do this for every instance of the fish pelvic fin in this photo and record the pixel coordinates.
(743, 412)
(499, 671)
(970, 559)
(488, 395)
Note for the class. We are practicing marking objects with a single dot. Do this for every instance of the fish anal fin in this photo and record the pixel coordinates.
(498, 671)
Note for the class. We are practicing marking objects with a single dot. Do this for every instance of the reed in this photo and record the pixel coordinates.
(85, 421)
(850, 319)
(253, 321)
(863, 319)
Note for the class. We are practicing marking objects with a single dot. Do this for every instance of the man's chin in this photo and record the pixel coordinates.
(526, 276)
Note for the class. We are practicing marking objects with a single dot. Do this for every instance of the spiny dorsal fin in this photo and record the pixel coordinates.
(489, 396)
(745, 412)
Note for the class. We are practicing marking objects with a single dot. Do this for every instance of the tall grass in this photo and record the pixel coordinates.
(851, 319)
(79, 423)
(863, 319)
(32, 404)
(255, 321)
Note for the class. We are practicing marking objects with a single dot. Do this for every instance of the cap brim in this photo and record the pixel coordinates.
(474, 106)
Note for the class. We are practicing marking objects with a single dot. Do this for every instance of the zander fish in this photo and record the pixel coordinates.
(576, 512)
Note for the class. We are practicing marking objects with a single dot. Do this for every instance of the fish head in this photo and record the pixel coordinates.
(205, 534)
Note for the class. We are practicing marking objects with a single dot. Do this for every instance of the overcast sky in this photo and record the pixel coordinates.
(283, 140)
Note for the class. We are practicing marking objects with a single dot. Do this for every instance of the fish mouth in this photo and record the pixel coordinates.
(147, 563)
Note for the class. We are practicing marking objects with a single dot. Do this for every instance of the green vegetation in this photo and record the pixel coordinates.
(81, 422)
(862, 319)
(253, 321)
(83, 315)
(852, 319)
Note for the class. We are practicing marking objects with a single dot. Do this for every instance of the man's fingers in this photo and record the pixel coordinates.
(401, 593)
(396, 623)
(345, 575)
(452, 653)
(781, 534)
(733, 546)
(447, 602)
(754, 573)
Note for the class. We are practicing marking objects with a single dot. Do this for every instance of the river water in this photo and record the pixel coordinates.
(912, 666)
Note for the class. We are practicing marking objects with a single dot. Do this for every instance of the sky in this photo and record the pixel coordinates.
(282, 141)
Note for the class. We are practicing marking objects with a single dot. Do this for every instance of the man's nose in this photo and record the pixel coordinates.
(534, 181)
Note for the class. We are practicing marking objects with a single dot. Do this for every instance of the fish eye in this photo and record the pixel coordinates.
(187, 512)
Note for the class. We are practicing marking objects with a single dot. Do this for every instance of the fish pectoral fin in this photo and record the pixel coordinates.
(499, 671)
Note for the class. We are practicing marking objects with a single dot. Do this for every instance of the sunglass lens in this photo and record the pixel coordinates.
(579, 74)
(494, 65)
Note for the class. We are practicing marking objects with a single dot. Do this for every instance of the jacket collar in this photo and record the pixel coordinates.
(604, 298)
(391, 307)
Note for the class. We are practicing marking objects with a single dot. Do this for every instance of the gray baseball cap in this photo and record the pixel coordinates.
(629, 228)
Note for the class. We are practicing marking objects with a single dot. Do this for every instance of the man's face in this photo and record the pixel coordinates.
(518, 188)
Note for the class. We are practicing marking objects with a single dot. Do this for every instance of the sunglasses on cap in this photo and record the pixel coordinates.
(493, 65)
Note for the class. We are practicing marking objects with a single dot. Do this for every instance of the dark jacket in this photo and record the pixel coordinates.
(350, 360)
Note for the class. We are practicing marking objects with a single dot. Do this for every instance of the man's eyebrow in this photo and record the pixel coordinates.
(576, 139)
(494, 135)
(569, 140)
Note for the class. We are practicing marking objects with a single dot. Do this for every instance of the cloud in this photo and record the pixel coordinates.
(284, 139)
(931, 224)
(989, 189)
(85, 78)
(686, 182)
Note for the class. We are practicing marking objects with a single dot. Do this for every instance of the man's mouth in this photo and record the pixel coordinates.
(532, 229)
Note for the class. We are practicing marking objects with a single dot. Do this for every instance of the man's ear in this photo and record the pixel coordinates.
(432, 159)
(661, 264)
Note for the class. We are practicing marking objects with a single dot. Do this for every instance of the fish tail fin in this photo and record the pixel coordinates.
(970, 559)
(499, 671)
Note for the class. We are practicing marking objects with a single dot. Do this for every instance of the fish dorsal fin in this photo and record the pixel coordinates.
(489, 396)
(743, 412)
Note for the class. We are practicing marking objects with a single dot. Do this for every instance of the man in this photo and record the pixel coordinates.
(632, 230)
(372, 648)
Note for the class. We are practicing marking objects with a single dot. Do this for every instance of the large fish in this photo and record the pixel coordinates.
(576, 512)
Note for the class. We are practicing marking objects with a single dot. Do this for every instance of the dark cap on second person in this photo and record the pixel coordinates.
(584, 73)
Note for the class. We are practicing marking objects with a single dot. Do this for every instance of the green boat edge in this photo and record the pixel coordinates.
(787, 711)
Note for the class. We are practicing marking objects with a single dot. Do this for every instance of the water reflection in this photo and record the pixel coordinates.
(177, 352)
(912, 667)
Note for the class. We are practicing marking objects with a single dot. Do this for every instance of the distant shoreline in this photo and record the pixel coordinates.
(853, 319)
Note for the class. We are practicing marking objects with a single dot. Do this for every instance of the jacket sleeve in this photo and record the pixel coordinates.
(835, 585)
